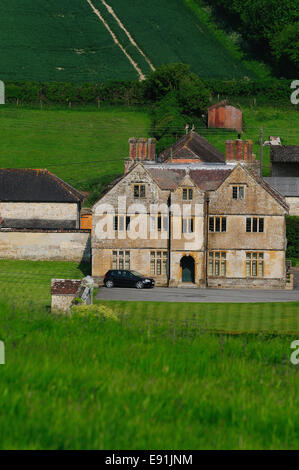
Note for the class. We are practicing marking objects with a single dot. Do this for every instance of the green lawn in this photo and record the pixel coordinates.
(86, 383)
(27, 283)
(154, 378)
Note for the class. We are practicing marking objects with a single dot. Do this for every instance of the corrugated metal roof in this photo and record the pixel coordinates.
(287, 186)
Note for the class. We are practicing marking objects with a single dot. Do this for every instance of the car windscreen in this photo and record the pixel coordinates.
(137, 274)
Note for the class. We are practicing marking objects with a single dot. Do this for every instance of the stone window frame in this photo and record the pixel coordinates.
(141, 193)
(187, 191)
(222, 223)
(190, 225)
(238, 187)
(217, 263)
(121, 259)
(121, 223)
(252, 223)
(254, 264)
(158, 223)
(158, 262)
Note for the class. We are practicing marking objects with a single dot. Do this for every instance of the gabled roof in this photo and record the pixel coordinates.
(28, 185)
(287, 186)
(192, 146)
(270, 189)
(285, 153)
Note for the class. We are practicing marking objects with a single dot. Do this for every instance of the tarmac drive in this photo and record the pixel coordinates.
(164, 294)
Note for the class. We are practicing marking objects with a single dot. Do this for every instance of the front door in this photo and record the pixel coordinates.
(187, 265)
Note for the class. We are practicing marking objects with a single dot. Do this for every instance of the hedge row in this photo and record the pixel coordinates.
(133, 92)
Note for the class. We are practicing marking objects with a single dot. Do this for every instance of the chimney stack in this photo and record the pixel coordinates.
(230, 150)
(133, 148)
(239, 149)
(152, 149)
(142, 149)
(248, 150)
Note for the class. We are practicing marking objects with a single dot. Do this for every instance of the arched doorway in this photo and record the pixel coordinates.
(188, 269)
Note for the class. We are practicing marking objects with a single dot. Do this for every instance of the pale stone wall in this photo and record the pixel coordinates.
(29, 214)
(45, 245)
(61, 303)
(293, 202)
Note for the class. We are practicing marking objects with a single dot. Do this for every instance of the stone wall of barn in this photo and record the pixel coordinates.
(51, 245)
(293, 203)
(46, 215)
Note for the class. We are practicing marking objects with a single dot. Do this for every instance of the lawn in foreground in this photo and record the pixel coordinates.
(24, 283)
(86, 383)
(154, 379)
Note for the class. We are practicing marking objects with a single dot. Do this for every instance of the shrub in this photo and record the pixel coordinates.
(96, 310)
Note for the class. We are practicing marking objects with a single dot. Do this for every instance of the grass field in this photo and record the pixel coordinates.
(154, 378)
(87, 147)
(85, 383)
(64, 40)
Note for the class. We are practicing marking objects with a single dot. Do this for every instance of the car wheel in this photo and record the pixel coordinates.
(109, 284)
(139, 285)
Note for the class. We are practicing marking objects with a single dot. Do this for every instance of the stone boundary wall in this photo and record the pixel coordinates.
(48, 245)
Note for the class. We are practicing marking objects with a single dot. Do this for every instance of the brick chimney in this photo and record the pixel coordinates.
(230, 150)
(239, 149)
(152, 149)
(133, 148)
(248, 150)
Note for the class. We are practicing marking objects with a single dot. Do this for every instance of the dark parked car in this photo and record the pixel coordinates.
(124, 278)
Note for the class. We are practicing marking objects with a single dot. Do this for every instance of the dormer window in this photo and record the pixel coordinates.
(238, 192)
(187, 194)
(139, 190)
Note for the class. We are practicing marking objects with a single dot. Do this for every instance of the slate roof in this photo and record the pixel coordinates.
(285, 153)
(287, 186)
(206, 179)
(65, 286)
(28, 185)
(193, 146)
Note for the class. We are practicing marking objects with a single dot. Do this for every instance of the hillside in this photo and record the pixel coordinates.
(87, 147)
(95, 40)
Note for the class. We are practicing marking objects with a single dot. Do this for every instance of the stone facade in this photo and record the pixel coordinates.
(45, 215)
(293, 203)
(52, 245)
(171, 238)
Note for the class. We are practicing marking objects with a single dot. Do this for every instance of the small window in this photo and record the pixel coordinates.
(188, 225)
(118, 223)
(139, 190)
(217, 224)
(238, 192)
(254, 224)
(187, 194)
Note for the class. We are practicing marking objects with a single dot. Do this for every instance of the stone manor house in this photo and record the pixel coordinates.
(192, 217)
